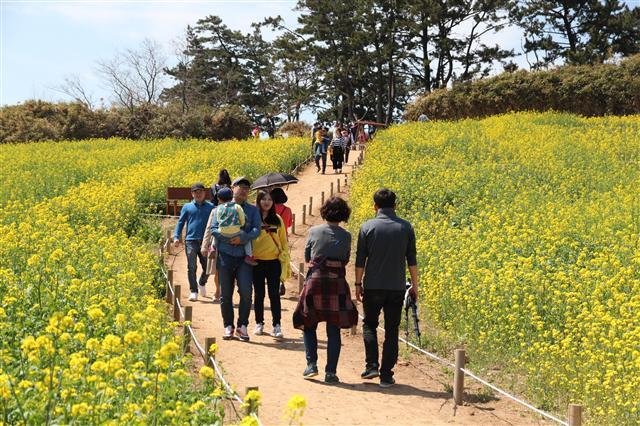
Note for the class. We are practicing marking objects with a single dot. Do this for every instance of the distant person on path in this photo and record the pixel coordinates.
(270, 246)
(231, 264)
(337, 148)
(346, 135)
(280, 198)
(386, 245)
(224, 181)
(194, 215)
(326, 296)
(316, 126)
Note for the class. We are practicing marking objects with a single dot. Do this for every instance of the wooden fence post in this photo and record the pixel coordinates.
(322, 199)
(331, 192)
(168, 297)
(176, 301)
(188, 315)
(208, 342)
(310, 206)
(246, 392)
(458, 377)
(338, 185)
(304, 214)
(293, 223)
(575, 415)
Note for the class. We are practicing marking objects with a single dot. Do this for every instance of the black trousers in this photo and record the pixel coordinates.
(324, 161)
(346, 154)
(337, 157)
(389, 301)
(269, 271)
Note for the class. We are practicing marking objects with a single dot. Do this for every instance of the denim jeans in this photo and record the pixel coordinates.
(322, 157)
(192, 248)
(269, 271)
(232, 268)
(373, 302)
(333, 347)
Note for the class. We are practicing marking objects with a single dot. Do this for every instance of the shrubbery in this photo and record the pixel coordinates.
(609, 89)
(39, 120)
(295, 129)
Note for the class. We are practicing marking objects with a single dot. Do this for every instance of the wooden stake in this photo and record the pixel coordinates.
(310, 206)
(338, 185)
(176, 301)
(208, 342)
(168, 297)
(293, 223)
(575, 415)
(322, 199)
(300, 277)
(188, 315)
(304, 214)
(458, 377)
(331, 192)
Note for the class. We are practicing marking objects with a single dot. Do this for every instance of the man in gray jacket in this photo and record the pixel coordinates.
(386, 246)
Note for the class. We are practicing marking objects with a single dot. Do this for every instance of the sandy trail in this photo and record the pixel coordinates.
(276, 366)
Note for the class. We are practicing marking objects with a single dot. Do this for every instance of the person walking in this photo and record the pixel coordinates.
(194, 215)
(231, 264)
(346, 135)
(321, 146)
(337, 147)
(224, 181)
(326, 296)
(280, 198)
(386, 245)
(269, 249)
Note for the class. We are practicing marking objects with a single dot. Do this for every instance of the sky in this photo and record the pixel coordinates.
(44, 41)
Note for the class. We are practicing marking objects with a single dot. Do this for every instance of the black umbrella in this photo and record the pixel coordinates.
(274, 179)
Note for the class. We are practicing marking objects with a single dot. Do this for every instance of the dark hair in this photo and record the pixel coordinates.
(384, 198)
(272, 217)
(224, 178)
(278, 196)
(335, 209)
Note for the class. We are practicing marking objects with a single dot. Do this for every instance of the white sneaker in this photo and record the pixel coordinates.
(228, 333)
(193, 297)
(202, 290)
(277, 332)
(242, 334)
(259, 330)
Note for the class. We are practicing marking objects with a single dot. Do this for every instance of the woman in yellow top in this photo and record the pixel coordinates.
(270, 246)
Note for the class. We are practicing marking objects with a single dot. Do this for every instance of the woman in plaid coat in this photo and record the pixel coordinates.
(326, 296)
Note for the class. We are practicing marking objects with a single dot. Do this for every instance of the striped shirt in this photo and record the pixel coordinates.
(341, 142)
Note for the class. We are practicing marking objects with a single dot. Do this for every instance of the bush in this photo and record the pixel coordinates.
(609, 89)
(229, 122)
(295, 129)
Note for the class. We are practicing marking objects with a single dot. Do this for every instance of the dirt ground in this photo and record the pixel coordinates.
(421, 396)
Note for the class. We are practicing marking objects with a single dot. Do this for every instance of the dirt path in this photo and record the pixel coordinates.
(276, 366)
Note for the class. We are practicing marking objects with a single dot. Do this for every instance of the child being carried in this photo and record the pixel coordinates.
(231, 218)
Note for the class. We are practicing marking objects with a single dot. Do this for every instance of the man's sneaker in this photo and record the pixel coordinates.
(259, 330)
(193, 297)
(310, 371)
(250, 260)
(242, 334)
(387, 383)
(228, 332)
(370, 373)
(277, 332)
(202, 290)
(331, 379)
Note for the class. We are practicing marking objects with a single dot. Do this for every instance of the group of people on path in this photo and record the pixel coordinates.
(337, 144)
(246, 244)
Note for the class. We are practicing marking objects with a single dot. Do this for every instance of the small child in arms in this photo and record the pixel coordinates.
(230, 217)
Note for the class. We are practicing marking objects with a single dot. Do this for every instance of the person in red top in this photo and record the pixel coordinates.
(279, 198)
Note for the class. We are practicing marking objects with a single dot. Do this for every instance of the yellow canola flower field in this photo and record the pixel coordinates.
(84, 336)
(528, 240)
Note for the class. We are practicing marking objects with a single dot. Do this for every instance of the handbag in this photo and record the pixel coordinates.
(285, 263)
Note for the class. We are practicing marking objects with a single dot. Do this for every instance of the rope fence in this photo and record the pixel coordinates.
(174, 297)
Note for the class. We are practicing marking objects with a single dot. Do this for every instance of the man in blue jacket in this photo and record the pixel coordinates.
(231, 265)
(195, 215)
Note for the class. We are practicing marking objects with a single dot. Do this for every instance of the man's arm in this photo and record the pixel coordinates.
(181, 222)
(254, 230)
(361, 260)
(215, 227)
(412, 262)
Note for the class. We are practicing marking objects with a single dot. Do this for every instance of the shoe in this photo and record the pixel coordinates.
(310, 371)
(259, 330)
(202, 290)
(370, 373)
(331, 379)
(228, 333)
(387, 383)
(277, 332)
(242, 334)
(318, 170)
(250, 260)
(193, 297)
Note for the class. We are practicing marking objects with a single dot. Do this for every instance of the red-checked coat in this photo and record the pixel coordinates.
(326, 296)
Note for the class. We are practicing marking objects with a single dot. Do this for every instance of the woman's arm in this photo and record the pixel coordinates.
(206, 241)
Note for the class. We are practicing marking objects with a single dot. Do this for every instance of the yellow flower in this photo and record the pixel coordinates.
(207, 372)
